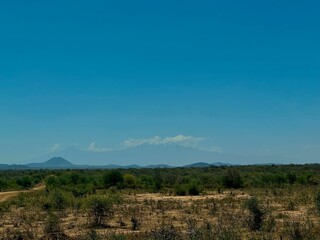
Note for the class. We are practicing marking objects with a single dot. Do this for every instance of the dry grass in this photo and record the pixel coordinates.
(288, 211)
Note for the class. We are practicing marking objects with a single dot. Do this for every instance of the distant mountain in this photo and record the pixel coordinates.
(198, 165)
(159, 155)
(13, 166)
(53, 163)
(111, 166)
(62, 163)
(152, 156)
(158, 166)
(204, 164)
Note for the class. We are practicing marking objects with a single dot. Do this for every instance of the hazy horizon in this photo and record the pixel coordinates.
(227, 77)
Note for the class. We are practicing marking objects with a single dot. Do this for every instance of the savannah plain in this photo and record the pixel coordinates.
(243, 202)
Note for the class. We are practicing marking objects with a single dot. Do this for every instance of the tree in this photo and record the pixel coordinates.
(129, 180)
(100, 209)
(25, 182)
(113, 178)
(232, 179)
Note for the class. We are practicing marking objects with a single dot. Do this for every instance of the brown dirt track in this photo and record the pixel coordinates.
(4, 196)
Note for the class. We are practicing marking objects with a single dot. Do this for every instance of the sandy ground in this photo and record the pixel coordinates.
(4, 196)
(158, 196)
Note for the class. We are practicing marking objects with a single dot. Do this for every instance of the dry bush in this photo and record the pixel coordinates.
(165, 232)
(300, 229)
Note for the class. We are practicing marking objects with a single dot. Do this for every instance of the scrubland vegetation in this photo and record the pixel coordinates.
(247, 202)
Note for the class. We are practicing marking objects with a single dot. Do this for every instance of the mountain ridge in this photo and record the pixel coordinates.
(62, 163)
(155, 155)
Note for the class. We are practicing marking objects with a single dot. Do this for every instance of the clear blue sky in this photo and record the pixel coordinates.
(243, 74)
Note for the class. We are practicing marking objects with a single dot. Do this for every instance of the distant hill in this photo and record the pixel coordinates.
(198, 164)
(204, 164)
(62, 163)
(146, 156)
(158, 166)
(14, 166)
(159, 156)
(53, 163)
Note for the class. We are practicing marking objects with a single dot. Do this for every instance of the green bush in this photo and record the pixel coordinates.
(59, 200)
(53, 225)
(257, 213)
(100, 209)
(113, 178)
(24, 182)
(130, 181)
(180, 190)
(194, 189)
(317, 202)
(232, 179)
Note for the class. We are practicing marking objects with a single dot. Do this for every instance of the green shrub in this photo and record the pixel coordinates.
(194, 189)
(59, 200)
(113, 178)
(180, 190)
(24, 182)
(53, 225)
(232, 179)
(100, 209)
(257, 213)
(317, 202)
(129, 181)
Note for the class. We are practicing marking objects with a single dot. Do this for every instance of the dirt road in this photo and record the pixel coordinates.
(4, 196)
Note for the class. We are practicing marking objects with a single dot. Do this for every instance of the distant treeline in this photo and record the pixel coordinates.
(180, 181)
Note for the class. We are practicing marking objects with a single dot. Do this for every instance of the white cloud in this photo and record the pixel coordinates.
(93, 148)
(180, 140)
(55, 147)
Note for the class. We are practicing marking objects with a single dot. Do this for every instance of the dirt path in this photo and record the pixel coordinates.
(4, 196)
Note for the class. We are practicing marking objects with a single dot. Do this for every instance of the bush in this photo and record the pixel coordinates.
(299, 230)
(58, 201)
(180, 190)
(113, 178)
(90, 235)
(24, 182)
(135, 223)
(129, 181)
(317, 202)
(232, 179)
(228, 226)
(100, 209)
(53, 225)
(257, 214)
(194, 189)
(165, 232)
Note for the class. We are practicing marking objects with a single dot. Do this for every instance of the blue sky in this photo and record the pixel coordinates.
(242, 75)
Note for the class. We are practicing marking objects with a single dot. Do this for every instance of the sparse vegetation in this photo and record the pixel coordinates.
(256, 213)
(179, 203)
